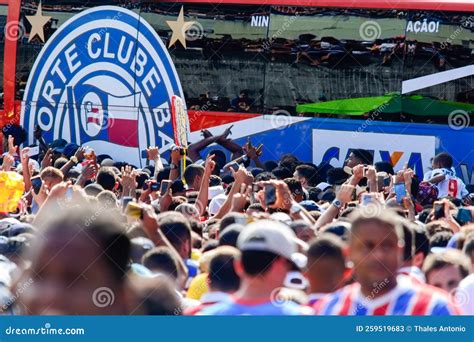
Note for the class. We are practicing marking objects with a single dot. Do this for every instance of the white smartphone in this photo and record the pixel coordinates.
(34, 151)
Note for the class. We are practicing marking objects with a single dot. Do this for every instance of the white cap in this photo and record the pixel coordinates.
(274, 237)
(281, 217)
(215, 190)
(216, 203)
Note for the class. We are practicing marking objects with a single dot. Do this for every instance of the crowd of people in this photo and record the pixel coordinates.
(204, 234)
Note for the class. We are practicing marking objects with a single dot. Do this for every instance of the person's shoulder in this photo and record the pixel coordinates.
(226, 307)
(295, 309)
(323, 307)
(433, 301)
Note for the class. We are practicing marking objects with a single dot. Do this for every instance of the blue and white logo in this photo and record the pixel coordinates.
(104, 79)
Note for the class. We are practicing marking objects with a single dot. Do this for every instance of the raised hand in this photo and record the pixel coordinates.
(25, 159)
(152, 153)
(47, 159)
(89, 171)
(12, 148)
(345, 193)
(129, 178)
(239, 200)
(210, 165)
(206, 134)
(8, 162)
(80, 153)
(242, 176)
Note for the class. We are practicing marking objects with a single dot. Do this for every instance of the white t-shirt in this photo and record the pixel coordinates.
(451, 186)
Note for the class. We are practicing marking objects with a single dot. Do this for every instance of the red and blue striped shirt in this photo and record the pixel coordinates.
(406, 299)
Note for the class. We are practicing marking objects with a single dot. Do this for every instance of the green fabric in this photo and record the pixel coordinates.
(387, 104)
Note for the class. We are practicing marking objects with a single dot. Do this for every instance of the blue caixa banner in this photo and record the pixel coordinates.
(331, 140)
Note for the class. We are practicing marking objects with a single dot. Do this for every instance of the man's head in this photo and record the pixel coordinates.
(445, 270)
(359, 156)
(326, 264)
(193, 176)
(269, 252)
(303, 230)
(161, 260)
(51, 176)
(177, 230)
(375, 246)
(222, 275)
(442, 160)
(106, 178)
(73, 259)
(307, 175)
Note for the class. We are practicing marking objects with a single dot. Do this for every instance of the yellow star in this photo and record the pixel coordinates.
(37, 22)
(179, 28)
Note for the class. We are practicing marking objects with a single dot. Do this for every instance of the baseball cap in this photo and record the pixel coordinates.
(107, 162)
(310, 205)
(70, 149)
(58, 145)
(274, 237)
(281, 217)
(17, 132)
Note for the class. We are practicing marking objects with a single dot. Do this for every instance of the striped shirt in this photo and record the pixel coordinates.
(406, 299)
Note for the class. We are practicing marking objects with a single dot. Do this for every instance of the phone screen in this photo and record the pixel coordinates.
(234, 166)
(125, 201)
(69, 194)
(154, 187)
(34, 151)
(367, 199)
(270, 195)
(165, 185)
(464, 215)
(36, 184)
(400, 191)
(438, 210)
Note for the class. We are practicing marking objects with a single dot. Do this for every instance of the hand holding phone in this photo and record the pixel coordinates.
(367, 199)
(439, 209)
(232, 165)
(33, 151)
(36, 183)
(400, 192)
(270, 195)
(164, 187)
